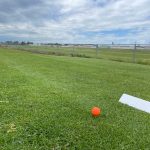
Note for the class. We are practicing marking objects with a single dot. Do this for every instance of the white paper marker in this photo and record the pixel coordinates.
(135, 102)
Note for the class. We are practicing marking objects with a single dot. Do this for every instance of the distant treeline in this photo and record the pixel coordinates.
(16, 43)
(29, 43)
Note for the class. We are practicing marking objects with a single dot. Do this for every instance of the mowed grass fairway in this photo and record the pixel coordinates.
(46, 102)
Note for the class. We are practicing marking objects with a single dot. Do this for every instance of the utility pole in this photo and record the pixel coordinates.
(96, 50)
(134, 54)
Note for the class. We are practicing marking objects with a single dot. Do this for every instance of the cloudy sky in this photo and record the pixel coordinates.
(75, 21)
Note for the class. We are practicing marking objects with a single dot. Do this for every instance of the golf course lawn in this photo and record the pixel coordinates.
(45, 103)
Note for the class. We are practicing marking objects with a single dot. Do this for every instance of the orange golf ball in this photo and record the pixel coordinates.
(96, 111)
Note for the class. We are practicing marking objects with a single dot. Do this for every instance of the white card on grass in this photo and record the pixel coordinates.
(135, 102)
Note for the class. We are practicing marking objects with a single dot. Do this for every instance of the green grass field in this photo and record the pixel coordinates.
(45, 103)
(121, 55)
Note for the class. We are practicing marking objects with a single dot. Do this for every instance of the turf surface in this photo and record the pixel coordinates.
(46, 102)
(123, 55)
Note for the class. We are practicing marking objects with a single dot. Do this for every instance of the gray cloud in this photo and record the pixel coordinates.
(31, 11)
(75, 20)
(11, 6)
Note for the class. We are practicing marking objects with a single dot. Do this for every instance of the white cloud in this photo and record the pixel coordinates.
(83, 16)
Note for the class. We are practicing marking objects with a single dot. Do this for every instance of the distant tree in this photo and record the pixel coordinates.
(29, 43)
(23, 43)
(16, 43)
(9, 42)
